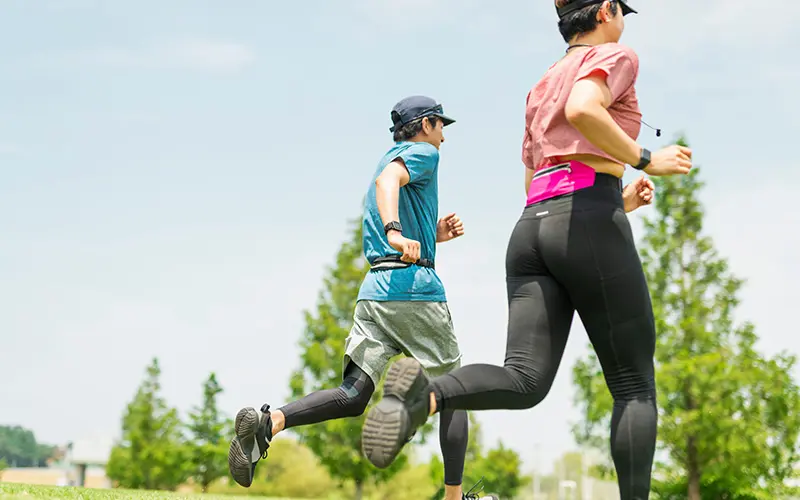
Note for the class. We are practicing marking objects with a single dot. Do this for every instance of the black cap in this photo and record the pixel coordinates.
(579, 4)
(416, 107)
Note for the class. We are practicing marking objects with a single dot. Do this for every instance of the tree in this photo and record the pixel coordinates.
(208, 447)
(152, 453)
(293, 471)
(3, 466)
(411, 483)
(729, 417)
(337, 443)
(499, 469)
(19, 448)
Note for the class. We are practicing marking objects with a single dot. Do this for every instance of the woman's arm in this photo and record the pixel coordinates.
(586, 111)
(528, 178)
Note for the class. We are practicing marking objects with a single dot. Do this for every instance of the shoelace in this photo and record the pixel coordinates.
(265, 410)
(472, 494)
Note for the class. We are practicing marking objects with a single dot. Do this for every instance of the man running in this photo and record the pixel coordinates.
(401, 306)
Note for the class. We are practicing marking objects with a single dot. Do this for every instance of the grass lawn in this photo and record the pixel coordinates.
(30, 492)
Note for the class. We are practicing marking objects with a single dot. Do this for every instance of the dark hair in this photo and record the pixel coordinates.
(581, 21)
(412, 128)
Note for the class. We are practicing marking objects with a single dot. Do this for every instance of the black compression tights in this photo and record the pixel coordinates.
(351, 399)
(568, 254)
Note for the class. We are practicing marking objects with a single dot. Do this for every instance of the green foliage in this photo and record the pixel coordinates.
(337, 443)
(411, 483)
(501, 471)
(19, 448)
(292, 471)
(208, 446)
(499, 468)
(675, 486)
(729, 416)
(152, 453)
(3, 466)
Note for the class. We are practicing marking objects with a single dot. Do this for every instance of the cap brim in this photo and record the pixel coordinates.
(446, 120)
(626, 9)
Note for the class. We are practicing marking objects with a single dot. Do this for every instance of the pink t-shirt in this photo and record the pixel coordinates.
(548, 134)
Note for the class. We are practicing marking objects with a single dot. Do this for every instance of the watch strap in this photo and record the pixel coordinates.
(644, 160)
(393, 226)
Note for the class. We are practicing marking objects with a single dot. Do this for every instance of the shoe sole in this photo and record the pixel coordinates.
(381, 438)
(239, 461)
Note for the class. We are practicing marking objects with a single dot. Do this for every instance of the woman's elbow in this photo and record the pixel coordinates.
(577, 112)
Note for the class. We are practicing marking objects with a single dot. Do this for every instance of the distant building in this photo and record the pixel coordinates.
(54, 476)
(88, 455)
(79, 463)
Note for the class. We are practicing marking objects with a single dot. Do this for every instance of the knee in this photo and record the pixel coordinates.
(355, 405)
(632, 386)
(531, 399)
(453, 427)
(531, 387)
(355, 392)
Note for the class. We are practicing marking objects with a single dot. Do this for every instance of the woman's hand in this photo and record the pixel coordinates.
(638, 194)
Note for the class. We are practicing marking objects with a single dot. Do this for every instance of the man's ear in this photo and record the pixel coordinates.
(426, 126)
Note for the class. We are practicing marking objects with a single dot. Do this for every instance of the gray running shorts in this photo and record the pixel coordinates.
(383, 330)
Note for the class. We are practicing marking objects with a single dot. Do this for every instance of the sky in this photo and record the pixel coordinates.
(175, 178)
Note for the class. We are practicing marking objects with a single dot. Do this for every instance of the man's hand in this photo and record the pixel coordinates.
(410, 248)
(448, 228)
(638, 193)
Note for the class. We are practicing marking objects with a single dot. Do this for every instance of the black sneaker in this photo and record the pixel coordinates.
(472, 494)
(395, 419)
(475, 496)
(253, 435)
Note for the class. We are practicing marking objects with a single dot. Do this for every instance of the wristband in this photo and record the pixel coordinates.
(644, 160)
(393, 226)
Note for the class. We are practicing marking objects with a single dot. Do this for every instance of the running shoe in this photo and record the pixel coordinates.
(253, 436)
(392, 423)
(472, 494)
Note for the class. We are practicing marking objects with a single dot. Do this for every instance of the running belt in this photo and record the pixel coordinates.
(565, 179)
(394, 262)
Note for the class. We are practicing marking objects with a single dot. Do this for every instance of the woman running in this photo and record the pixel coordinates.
(572, 249)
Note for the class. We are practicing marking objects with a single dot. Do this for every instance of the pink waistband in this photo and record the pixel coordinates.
(560, 179)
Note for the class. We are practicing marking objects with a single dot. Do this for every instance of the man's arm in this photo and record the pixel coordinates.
(387, 194)
(387, 190)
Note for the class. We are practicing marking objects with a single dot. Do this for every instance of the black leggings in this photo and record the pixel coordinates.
(575, 252)
(351, 399)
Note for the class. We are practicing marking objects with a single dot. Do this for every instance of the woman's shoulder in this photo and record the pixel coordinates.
(614, 49)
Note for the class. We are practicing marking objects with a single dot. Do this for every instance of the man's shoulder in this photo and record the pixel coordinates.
(420, 150)
(425, 149)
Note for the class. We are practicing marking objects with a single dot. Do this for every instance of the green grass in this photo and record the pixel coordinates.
(30, 492)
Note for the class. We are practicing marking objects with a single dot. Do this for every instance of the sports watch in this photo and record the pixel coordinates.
(644, 160)
(393, 226)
